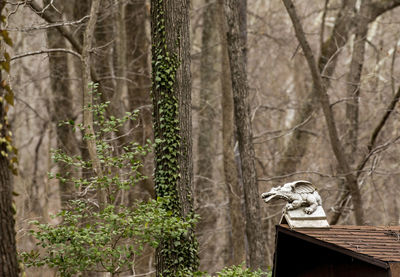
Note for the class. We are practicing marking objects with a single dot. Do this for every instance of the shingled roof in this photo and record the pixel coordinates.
(376, 245)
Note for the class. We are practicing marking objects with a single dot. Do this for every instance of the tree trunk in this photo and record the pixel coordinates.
(62, 109)
(354, 80)
(138, 97)
(237, 253)
(236, 44)
(8, 251)
(110, 61)
(368, 13)
(139, 92)
(208, 194)
(121, 88)
(88, 97)
(172, 128)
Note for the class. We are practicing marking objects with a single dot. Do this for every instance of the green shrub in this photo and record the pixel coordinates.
(109, 236)
(239, 270)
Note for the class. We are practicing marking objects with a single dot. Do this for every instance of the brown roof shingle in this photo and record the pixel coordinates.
(378, 242)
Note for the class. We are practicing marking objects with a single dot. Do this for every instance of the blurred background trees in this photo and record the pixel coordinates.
(355, 46)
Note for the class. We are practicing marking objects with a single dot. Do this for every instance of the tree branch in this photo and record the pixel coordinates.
(47, 16)
(64, 31)
(377, 130)
(321, 36)
(45, 51)
(383, 120)
(339, 208)
(49, 25)
(382, 6)
(293, 174)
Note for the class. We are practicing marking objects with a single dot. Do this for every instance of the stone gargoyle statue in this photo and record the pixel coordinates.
(297, 194)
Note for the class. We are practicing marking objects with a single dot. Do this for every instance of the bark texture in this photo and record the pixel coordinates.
(354, 79)
(236, 44)
(8, 250)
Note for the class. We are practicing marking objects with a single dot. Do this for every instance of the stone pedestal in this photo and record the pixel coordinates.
(299, 219)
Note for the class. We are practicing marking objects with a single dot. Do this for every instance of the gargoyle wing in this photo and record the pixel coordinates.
(303, 187)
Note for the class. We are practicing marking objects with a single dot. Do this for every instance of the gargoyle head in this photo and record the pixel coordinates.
(287, 191)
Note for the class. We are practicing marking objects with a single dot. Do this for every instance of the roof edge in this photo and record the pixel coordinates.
(333, 247)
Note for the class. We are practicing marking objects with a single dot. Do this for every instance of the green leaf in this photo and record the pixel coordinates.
(9, 98)
(6, 37)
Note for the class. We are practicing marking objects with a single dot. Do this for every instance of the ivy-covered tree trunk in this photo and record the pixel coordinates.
(172, 129)
(8, 251)
(237, 58)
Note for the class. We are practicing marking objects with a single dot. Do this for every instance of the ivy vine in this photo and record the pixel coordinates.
(179, 256)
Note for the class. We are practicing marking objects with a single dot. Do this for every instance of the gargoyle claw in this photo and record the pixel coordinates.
(308, 210)
(289, 207)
